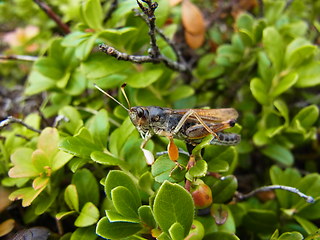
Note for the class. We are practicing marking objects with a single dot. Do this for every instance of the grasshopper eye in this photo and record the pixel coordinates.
(140, 112)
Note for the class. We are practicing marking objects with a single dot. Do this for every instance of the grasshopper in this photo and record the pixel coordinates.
(190, 125)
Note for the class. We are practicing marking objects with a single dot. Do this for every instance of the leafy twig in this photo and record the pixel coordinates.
(241, 197)
(51, 14)
(19, 57)
(11, 119)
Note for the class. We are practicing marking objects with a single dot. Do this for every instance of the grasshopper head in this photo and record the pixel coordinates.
(139, 117)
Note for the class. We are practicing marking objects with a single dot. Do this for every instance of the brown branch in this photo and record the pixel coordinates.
(113, 7)
(51, 14)
(18, 57)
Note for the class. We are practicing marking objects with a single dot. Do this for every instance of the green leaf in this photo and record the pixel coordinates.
(279, 154)
(71, 197)
(124, 202)
(85, 47)
(261, 220)
(259, 91)
(245, 21)
(221, 235)
(73, 39)
(87, 187)
(308, 74)
(291, 236)
(117, 37)
(89, 215)
(27, 194)
(285, 83)
(224, 189)
(162, 170)
(309, 185)
(282, 108)
(45, 201)
(173, 204)
(144, 78)
(117, 178)
(147, 217)
(61, 215)
(92, 14)
(116, 230)
(221, 159)
(146, 182)
(274, 46)
(77, 83)
(40, 160)
(180, 92)
(117, 217)
(40, 182)
(48, 141)
(23, 165)
(310, 211)
(200, 169)
(176, 231)
(74, 119)
(120, 136)
(80, 145)
(99, 127)
(273, 11)
(107, 159)
(99, 65)
(38, 83)
(308, 226)
(299, 51)
(307, 116)
(60, 159)
(86, 233)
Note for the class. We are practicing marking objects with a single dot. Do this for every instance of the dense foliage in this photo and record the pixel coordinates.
(78, 167)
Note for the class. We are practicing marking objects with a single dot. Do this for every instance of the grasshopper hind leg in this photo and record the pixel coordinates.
(226, 139)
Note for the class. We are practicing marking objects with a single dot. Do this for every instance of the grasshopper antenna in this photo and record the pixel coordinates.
(124, 94)
(95, 85)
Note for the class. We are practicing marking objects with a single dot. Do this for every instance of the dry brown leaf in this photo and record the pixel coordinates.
(192, 18)
(194, 41)
(6, 227)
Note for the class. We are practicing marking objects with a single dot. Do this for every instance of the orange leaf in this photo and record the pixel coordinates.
(194, 41)
(173, 151)
(192, 18)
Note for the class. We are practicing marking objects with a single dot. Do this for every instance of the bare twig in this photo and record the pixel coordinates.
(11, 119)
(19, 57)
(113, 7)
(155, 55)
(241, 197)
(51, 14)
(172, 44)
(142, 59)
(149, 12)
